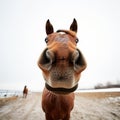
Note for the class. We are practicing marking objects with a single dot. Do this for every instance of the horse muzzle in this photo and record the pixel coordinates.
(61, 73)
(48, 59)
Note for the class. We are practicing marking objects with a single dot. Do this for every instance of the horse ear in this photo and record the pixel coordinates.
(49, 27)
(73, 26)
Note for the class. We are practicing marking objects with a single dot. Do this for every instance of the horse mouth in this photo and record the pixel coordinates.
(61, 90)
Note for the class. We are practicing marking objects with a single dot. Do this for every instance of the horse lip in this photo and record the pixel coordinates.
(62, 58)
(61, 90)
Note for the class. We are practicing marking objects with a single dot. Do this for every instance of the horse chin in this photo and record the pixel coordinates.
(61, 90)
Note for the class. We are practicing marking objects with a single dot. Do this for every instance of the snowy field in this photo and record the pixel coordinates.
(89, 105)
(100, 90)
(9, 93)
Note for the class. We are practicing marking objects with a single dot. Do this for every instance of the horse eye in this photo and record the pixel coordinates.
(46, 40)
(77, 40)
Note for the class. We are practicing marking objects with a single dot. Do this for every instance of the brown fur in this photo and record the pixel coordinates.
(25, 92)
(57, 106)
(61, 63)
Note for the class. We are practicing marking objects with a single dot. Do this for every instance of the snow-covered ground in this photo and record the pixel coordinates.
(99, 90)
(88, 106)
(9, 93)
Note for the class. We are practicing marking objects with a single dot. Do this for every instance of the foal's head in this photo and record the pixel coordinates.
(61, 62)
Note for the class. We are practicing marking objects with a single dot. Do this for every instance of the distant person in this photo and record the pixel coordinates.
(25, 91)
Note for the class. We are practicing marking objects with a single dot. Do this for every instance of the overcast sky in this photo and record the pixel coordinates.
(22, 34)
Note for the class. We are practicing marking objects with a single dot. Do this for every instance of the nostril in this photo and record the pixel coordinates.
(78, 61)
(75, 56)
(46, 59)
(50, 56)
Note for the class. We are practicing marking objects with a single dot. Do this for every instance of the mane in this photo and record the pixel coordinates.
(70, 32)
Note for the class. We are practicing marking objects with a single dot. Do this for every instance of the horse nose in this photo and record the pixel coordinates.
(46, 59)
(78, 61)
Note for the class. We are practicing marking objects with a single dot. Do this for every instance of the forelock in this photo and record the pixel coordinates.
(70, 32)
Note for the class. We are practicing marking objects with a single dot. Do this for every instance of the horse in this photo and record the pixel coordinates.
(25, 91)
(61, 63)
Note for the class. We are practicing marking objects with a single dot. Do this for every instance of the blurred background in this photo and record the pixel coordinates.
(22, 34)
